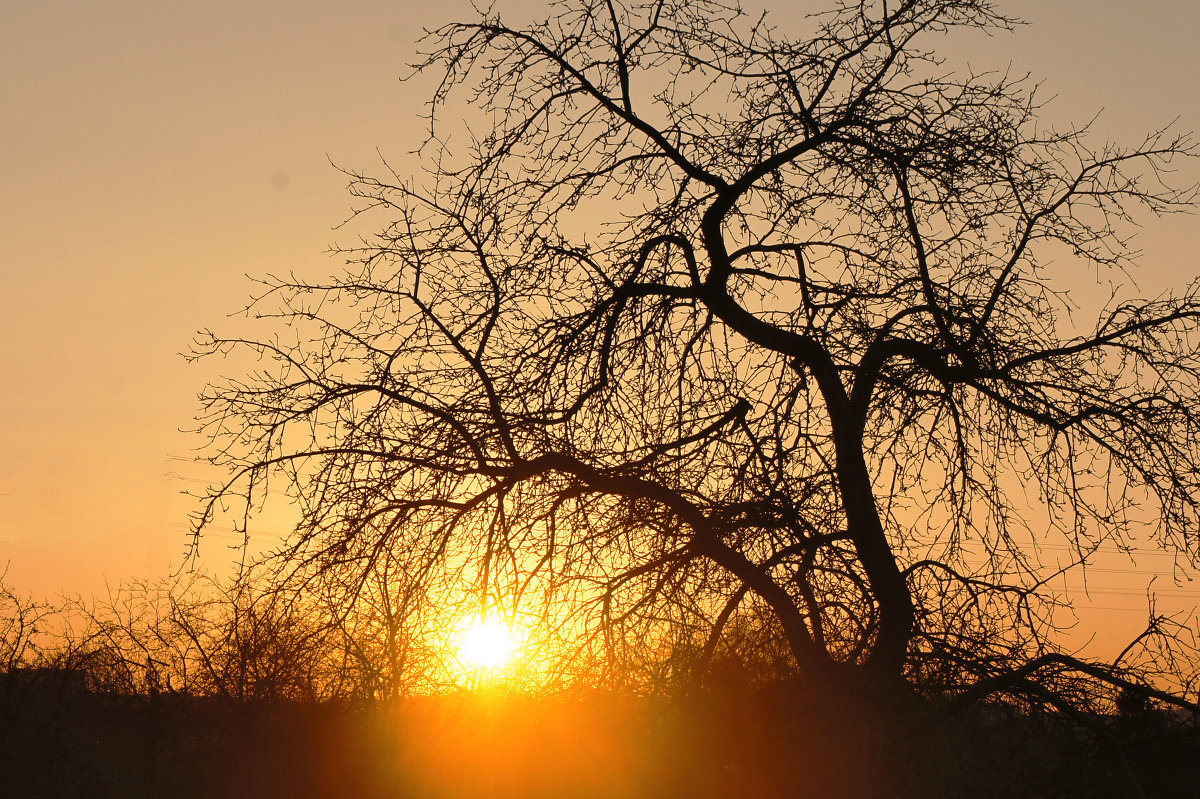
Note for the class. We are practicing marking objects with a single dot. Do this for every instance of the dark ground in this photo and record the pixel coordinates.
(756, 744)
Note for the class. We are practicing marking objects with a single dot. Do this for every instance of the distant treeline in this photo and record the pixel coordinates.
(253, 639)
(206, 638)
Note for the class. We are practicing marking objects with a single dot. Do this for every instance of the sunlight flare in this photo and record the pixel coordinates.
(487, 643)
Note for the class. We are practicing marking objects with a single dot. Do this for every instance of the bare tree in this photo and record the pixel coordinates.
(378, 619)
(23, 634)
(20, 617)
(687, 320)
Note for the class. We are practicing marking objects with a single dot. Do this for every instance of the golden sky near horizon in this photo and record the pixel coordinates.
(155, 152)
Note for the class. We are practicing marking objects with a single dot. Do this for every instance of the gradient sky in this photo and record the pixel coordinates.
(154, 153)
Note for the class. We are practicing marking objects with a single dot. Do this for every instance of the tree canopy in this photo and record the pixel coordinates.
(693, 328)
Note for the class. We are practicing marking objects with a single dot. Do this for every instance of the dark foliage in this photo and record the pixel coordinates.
(762, 743)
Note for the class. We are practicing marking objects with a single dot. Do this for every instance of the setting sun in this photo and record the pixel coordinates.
(487, 644)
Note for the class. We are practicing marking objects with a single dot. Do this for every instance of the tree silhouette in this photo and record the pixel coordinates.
(688, 321)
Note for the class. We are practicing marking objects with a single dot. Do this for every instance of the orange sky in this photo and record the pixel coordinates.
(155, 152)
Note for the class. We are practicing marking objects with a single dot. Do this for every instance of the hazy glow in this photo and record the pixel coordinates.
(487, 644)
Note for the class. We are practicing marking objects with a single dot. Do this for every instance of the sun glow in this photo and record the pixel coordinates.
(487, 643)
